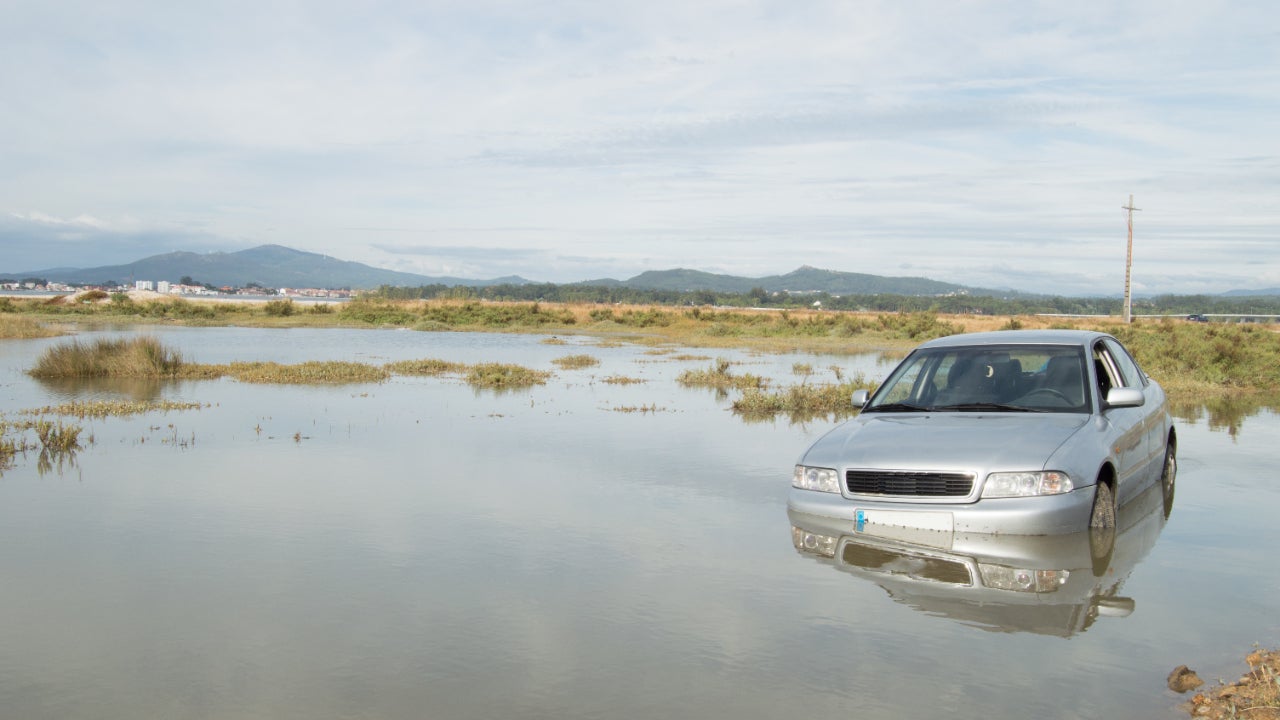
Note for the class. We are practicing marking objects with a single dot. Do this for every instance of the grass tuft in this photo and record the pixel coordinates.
(718, 376)
(503, 376)
(573, 362)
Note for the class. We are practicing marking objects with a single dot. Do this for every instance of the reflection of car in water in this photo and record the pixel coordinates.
(1050, 585)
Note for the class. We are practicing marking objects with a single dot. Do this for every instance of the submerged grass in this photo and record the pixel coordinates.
(426, 366)
(622, 380)
(315, 372)
(117, 408)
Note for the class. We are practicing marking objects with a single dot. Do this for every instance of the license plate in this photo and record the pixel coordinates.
(868, 520)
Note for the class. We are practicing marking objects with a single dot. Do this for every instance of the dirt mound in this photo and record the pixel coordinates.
(1256, 696)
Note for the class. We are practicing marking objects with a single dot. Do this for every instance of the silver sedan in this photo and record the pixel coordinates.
(1035, 432)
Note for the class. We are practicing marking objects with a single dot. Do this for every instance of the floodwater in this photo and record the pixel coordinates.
(420, 549)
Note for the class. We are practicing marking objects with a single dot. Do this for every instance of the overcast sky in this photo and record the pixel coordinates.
(983, 143)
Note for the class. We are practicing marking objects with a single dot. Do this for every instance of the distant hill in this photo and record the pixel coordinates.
(1266, 292)
(804, 279)
(272, 266)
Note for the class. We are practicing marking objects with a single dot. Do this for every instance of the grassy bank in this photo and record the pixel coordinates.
(1192, 360)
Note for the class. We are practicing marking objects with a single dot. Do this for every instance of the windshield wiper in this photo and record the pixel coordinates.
(898, 407)
(979, 406)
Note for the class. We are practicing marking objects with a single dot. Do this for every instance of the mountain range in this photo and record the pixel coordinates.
(272, 266)
(276, 266)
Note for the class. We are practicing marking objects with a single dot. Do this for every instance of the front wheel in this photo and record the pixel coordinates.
(1168, 476)
(1104, 507)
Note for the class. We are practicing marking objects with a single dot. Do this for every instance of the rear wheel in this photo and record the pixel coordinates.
(1104, 507)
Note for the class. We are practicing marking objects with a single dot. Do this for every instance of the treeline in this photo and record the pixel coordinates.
(758, 297)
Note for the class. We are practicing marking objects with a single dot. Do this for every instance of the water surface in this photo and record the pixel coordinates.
(417, 548)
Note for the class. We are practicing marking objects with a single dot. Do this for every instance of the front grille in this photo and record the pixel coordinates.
(908, 484)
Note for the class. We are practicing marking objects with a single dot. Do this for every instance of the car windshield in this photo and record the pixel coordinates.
(1012, 378)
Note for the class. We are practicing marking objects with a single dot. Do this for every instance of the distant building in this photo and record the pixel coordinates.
(143, 285)
(163, 286)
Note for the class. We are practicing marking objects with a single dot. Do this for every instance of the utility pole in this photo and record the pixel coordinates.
(1128, 264)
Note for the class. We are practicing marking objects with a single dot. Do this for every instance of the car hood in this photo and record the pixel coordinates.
(946, 441)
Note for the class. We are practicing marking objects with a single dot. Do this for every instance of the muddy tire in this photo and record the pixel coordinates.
(1104, 507)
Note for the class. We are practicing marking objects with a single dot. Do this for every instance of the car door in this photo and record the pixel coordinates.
(1153, 409)
(1128, 428)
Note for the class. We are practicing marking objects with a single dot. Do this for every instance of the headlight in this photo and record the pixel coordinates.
(808, 542)
(1002, 577)
(1026, 484)
(815, 478)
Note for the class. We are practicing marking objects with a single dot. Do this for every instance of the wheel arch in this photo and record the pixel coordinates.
(1107, 475)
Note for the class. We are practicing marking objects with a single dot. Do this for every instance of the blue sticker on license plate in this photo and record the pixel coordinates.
(859, 520)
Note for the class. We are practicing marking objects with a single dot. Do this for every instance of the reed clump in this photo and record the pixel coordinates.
(138, 357)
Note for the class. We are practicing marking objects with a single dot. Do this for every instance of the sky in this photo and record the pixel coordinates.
(991, 144)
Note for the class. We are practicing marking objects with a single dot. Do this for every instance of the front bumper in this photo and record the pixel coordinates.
(1044, 515)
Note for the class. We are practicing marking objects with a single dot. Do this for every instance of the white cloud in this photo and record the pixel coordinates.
(971, 140)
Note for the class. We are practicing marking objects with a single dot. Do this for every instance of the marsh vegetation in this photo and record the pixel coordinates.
(1197, 362)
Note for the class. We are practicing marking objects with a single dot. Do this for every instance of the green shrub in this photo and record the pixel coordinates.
(802, 401)
(280, 308)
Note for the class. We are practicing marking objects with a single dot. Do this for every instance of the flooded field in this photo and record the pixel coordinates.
(583, 549)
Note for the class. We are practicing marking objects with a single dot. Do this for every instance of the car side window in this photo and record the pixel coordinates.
(1108, 370)
(1133, 375)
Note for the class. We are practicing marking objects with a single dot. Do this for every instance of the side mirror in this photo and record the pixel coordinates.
(1124, 397)
(1116, 607)
(860, 398)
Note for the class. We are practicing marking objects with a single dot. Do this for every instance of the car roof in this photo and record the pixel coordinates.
(1080, 338)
